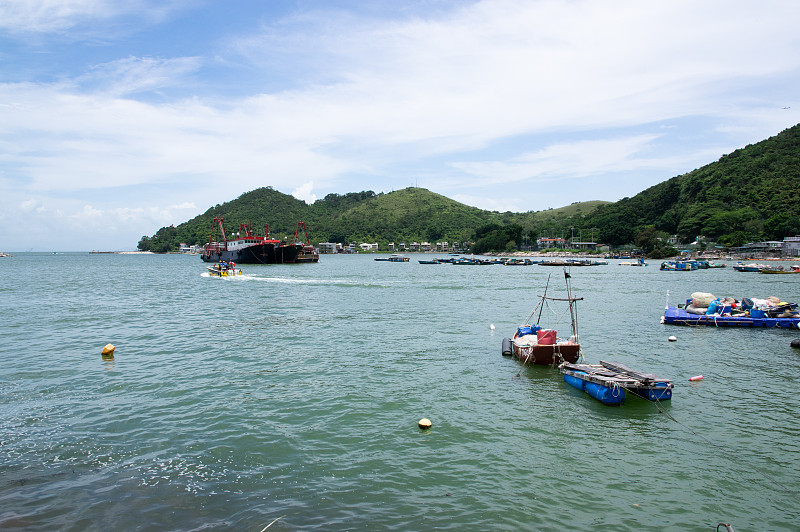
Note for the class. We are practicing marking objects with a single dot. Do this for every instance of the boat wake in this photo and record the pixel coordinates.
(238, 277)
(287, 280)
(328, 282)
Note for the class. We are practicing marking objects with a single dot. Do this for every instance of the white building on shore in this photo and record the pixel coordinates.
(329, 248)
(791, 246)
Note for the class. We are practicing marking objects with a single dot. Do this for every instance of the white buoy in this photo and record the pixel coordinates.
(425, 423)
(491, 326)
(672, 339)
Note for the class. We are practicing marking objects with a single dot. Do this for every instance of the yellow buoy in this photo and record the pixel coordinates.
(108, 351)
(425, 423)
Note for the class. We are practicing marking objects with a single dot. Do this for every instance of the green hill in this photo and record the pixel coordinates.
(749, 194)
(405, 215)
(259, 207)
(411, 214)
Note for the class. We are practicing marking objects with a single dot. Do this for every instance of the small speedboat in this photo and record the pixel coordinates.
(223, 269)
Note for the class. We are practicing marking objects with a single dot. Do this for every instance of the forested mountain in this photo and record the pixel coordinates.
(749, 194)
(411, 214)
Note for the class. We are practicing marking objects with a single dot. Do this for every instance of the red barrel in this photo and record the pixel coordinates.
(546, 337)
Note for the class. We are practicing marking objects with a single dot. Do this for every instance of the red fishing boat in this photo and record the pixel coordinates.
(246, 248)
(307, 252)
(533, 344)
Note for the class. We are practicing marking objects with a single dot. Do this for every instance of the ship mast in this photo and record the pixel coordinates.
(218, 221)
(297, 232)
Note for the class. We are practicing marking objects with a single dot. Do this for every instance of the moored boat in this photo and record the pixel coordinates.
(395, 257)
(639, 262)
(514, 261)
(573, 262)
(248, 249)
(587, 262)
(464, 261)
(678, 266)
(307, 252)
(533, 344)
(608, 382)
(752, 267)
(705, 309)
(780, 269)
(555, 262)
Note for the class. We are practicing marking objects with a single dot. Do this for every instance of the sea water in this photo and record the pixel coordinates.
(289, 397)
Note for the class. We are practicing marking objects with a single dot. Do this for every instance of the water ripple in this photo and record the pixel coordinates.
(293, 393)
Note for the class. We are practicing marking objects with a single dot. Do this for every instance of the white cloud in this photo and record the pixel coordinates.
(578, 159)
(29, 205)
(187, 205)
(303, 192)
(490, 93)
(138, 74)
(504, 67)
(87, 213)
(43, 16)
(502, 204)
(406, 90)
(49, 15)
(67, 141)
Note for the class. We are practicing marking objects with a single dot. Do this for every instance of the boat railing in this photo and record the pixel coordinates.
(214, 247)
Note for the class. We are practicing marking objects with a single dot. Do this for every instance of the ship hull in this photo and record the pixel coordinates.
(266, 253)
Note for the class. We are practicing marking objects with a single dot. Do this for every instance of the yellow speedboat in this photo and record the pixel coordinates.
(223, 269)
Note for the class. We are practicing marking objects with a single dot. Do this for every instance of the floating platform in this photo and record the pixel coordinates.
(393, 258)
(678, 316)
(608, 382)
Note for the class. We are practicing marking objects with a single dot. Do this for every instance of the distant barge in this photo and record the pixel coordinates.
(251, 249)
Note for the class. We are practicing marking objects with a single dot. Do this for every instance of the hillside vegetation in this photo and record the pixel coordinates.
(749, 194)
(411, 214)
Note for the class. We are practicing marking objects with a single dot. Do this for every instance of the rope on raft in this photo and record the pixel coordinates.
(615, 389)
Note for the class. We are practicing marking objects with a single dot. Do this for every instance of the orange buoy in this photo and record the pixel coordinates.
(108, 351)
(697, 378)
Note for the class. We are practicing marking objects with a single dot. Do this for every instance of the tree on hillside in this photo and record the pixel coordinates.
(493, 237)
(781, 225)
(654, 243)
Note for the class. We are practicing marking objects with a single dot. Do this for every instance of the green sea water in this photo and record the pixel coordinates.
(291, 395)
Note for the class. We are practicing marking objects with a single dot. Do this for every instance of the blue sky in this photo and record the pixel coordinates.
(118, 118)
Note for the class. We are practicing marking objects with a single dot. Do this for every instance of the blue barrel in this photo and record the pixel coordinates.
(575, 382)
(606, 395)
(524, 330)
